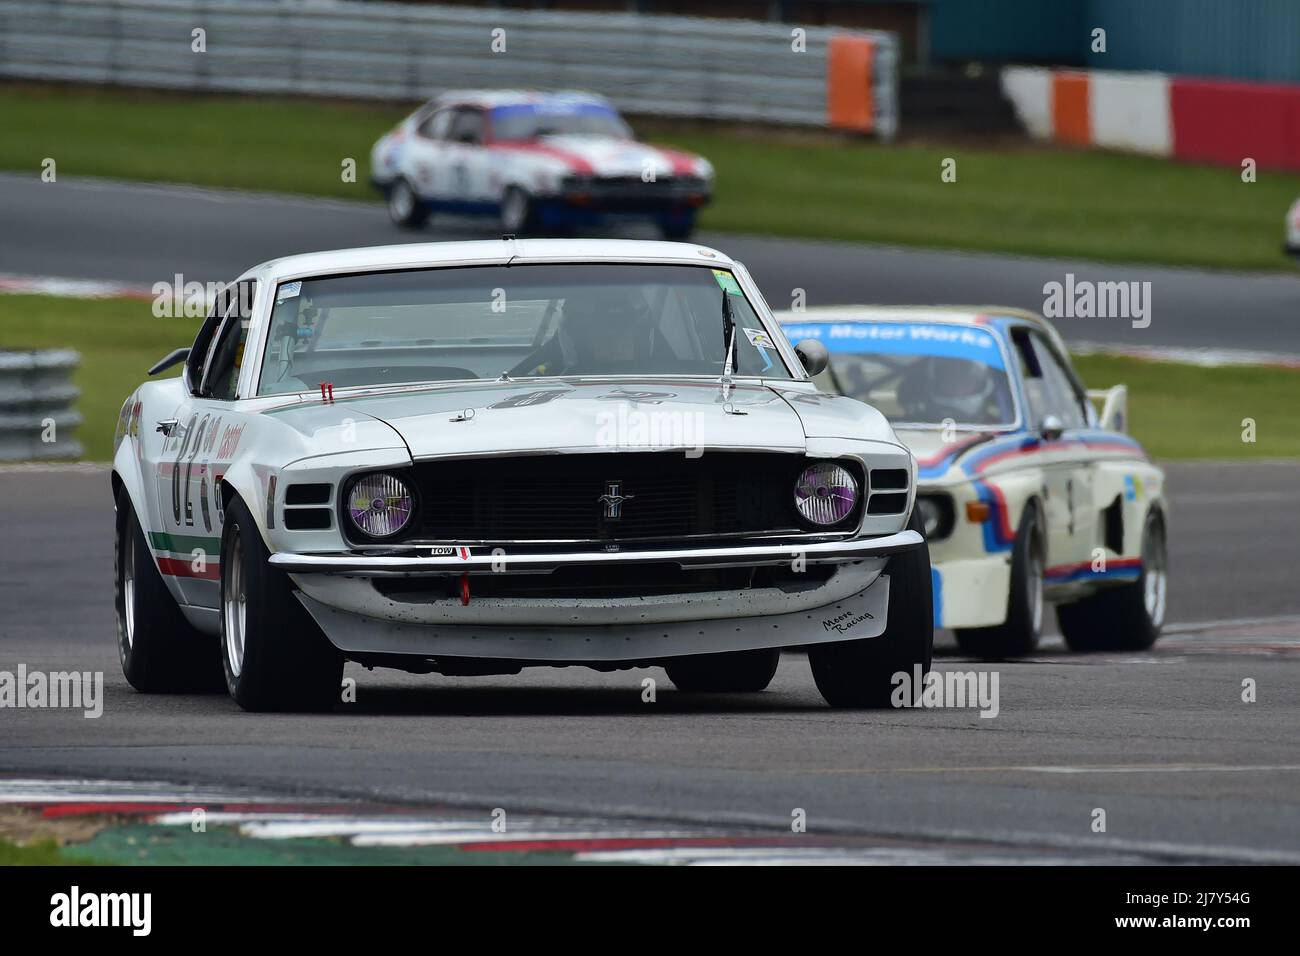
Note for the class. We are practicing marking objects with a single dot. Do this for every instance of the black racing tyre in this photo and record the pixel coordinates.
(860, 673)
(404, 205)
(159, 650)
(273, 654)
(1018, 635)
(740, 672)
(1126, 617)
(518, 212)
(677, 228)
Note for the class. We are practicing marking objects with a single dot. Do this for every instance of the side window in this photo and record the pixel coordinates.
(467, 127)
(227, 356)
(1048, 387)
(198, 357)
(1068, 402)
(436, 125)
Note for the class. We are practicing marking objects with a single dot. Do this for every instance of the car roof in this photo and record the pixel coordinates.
(427, 255)
(492, 98)
(972, 315)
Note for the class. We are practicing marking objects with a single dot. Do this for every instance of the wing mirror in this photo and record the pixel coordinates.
(1051, 428)
(813, 355)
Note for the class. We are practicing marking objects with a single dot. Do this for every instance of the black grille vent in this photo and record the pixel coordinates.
(559, 497)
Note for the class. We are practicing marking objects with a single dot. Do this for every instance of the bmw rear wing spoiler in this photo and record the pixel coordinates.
(1113, 403)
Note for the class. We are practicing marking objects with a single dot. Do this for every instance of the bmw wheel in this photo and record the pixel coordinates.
(1126, 617)
(1018, 635)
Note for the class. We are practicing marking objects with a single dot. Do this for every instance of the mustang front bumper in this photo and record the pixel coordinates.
(853, 603)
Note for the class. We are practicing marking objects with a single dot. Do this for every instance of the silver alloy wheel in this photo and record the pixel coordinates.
(514, 210)
(234, 606)
(401, 202)
(1155, 575)
(128, 584)
(1034, 584)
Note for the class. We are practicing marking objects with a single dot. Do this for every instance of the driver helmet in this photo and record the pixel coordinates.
(605, 326)
(962, 387)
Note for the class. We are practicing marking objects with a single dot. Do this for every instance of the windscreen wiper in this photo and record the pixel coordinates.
(729, 343)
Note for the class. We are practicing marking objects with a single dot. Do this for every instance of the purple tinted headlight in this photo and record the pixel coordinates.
(380, 505)
(825, 493)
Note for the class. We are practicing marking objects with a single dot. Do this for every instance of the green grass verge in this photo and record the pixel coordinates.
(1018, 198)
(1176, 411)
(1185, 411)
(118, 340)
(41, 853)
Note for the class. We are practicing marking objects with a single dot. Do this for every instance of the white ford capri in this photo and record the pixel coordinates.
(535, 162)
(1029, 493)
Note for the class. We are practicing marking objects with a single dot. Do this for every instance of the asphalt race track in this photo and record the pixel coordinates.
(139, 233)
(1162, 741)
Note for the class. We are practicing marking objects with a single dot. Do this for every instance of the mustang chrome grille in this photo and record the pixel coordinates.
(615, 496)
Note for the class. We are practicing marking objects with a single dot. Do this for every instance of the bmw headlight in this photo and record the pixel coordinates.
(826, 493)
(936, 515)
(380, 505)
(930, 515)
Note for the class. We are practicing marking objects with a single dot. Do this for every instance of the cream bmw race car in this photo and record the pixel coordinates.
(1029, 493)
(468, 458)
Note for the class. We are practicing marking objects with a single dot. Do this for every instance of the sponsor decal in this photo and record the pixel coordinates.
(727, 281)
(843, 623)
(449, 551)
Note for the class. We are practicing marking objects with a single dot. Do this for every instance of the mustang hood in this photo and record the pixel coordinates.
(498, 417)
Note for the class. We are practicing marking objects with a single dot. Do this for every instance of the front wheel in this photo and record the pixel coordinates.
(1126, 617)
(677, 227)
(1018, 635)
(518, 212)
(404, 206)
(861, 673)
(740, 672)
(275, 656)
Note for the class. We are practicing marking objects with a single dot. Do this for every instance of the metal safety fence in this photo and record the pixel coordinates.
(37, 417)
(733, 70)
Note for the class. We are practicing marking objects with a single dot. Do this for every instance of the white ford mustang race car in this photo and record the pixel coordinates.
(1028, 493)
(537, 161)
(468, 458)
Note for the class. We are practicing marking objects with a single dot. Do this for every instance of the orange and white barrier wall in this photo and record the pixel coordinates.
(1213, 121)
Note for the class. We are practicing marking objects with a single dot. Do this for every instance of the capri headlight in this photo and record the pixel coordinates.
(826, 493)
(380, 505)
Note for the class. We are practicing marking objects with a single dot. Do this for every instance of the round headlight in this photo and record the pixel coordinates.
(380, 505)
(931, 516)
(825, 493)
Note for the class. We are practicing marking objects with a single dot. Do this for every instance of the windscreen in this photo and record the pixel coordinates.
(532, 120)
(916, 373)
(524, 321)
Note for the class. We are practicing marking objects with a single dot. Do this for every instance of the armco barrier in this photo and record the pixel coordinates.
(656, 65)
(36, 399)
